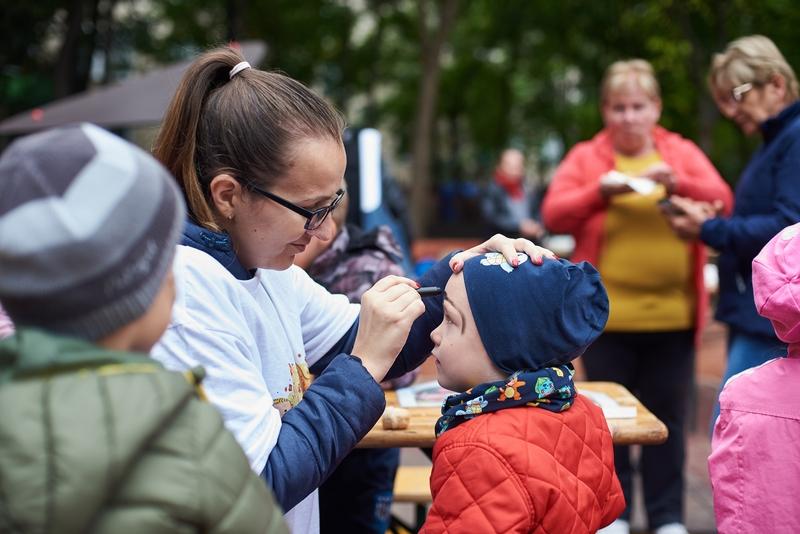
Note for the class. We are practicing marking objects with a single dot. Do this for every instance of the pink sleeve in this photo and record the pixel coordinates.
(574, 193)
(6, 326)
(725, 471)
(754, 464)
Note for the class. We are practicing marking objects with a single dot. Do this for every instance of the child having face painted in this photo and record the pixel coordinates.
(520, 450)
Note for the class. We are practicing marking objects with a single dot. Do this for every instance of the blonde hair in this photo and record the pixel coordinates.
(621, 73)
(753, 59)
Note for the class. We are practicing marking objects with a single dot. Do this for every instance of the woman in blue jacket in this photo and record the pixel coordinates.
(754, 86)
(260, 160)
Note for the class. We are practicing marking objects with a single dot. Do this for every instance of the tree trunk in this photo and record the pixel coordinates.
(431, 42)
(701, 50)
(75, 56)
(107, 37)
(68, 54)
(234, 12)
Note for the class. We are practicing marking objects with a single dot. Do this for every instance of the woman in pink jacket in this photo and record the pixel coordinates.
(755, 461)
(605, 194)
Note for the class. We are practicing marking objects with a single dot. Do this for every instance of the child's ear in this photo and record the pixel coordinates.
(225, 190)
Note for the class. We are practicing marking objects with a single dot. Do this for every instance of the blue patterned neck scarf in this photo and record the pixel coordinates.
(550, 388)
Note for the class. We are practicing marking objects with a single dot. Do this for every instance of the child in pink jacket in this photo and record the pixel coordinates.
(755, 458)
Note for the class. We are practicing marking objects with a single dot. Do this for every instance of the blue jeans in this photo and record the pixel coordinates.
(746, 351)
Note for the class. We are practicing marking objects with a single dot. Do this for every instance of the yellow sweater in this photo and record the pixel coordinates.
(646, 269)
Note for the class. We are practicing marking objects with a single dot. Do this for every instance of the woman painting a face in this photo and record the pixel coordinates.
(260, 160)
(272, 232)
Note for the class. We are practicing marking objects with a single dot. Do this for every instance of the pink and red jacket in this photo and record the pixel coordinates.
(755, 459)
(755, 452)
(573, 204)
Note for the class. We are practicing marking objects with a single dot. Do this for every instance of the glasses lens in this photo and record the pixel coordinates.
(317, 219)
(319, 216)
(739, 91)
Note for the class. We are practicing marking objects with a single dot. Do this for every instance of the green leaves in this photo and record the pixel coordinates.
(512, 71)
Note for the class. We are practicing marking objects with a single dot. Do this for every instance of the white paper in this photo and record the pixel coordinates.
(643, 186)
(611, 408)
(422, 394)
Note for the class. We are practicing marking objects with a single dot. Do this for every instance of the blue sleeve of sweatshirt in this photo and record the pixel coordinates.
(746, 235)
(418, 345)
(341, 406)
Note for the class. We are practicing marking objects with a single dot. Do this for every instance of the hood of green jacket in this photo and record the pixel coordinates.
(73, 419)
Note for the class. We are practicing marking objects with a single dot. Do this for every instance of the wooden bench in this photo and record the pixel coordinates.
(412, 485)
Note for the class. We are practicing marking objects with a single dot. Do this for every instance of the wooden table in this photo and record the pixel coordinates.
(644, 429)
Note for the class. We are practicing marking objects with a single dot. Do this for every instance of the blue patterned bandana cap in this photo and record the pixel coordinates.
(534, 316)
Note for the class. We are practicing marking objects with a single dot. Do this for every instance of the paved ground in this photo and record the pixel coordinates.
(699, 511)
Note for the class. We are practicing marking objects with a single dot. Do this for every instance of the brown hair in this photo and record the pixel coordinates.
(245, 126)
(620, 73)
(753, 59)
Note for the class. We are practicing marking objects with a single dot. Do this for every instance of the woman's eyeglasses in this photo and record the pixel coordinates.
(314, 218)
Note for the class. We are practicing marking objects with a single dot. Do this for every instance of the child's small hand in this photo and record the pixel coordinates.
(507, 247)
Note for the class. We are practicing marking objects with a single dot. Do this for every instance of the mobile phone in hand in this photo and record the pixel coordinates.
(670, 208)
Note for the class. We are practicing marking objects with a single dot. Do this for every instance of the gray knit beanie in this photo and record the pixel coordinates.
(88, 227)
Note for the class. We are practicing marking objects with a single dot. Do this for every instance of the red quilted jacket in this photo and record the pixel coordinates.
(526, 470)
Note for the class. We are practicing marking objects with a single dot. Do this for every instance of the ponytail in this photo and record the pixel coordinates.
(248, 123)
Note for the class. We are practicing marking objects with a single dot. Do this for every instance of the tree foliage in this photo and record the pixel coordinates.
(516, 72)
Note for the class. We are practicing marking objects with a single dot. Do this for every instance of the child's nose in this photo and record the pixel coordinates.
(435, 337)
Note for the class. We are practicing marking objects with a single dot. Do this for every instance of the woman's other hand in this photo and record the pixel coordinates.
(689, 215)
(507, 247)
(662, 173)
(613, 183)
(388, 309)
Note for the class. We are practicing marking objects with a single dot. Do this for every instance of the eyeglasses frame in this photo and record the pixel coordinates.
(738, 92)
(308, 214)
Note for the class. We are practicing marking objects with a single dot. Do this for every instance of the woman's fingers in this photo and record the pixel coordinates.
(408, 306)
(535, 252)
(394, 292)
(388, 281)
(388, 309)
(682, 202)
(696, 211)
(507, 247)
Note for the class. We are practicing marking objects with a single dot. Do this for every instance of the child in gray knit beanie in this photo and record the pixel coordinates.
(88, 227)
(94, 435)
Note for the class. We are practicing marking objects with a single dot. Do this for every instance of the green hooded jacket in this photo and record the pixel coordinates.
(98, 441)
